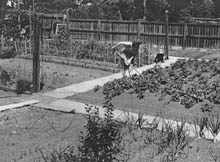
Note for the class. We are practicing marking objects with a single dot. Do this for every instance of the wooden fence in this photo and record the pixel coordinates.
(184, 35)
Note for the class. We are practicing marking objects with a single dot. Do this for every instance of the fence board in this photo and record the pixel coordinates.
(185, 35)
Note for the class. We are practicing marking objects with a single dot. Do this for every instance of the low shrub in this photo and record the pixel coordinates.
(7, 53)
(4, 77)
(25, 85)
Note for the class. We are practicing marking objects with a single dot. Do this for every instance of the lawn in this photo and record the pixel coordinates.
(28, 132)
(53, 75)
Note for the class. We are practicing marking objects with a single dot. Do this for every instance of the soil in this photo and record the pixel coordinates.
(53, 75)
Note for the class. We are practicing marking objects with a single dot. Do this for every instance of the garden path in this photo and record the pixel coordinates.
(90, 84)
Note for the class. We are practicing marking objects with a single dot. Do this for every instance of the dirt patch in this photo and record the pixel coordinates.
(23, 131)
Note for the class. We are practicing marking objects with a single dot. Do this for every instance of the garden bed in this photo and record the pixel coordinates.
(187, 89)
(52, 75)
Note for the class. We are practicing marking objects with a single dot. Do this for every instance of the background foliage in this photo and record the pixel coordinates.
(150, 10)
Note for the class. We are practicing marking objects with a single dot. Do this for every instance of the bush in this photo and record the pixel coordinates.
(101, 141)
(25, 85)
(8, 52)
(4, 77)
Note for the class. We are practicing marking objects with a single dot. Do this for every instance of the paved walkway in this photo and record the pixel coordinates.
(90, 84)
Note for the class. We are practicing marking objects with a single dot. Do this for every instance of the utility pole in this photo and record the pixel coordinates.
(167, 35)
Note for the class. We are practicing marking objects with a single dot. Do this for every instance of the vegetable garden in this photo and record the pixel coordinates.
(187, 83)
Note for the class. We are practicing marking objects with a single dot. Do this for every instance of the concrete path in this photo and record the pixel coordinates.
(90, 84)
(17, 105)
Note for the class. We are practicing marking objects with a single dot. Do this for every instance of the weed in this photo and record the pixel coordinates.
(4, 77)
(214, 124)
(175, 142)
(199, 123)
(57, 154)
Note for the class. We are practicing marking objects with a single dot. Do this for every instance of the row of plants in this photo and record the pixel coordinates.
(104, 66)
(187, 82)
(90, 49)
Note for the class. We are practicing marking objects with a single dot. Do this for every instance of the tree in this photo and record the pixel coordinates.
(217, 7)
(127, 9)
(110, 10)
(155, 9)
(139, 9)
(205, 9)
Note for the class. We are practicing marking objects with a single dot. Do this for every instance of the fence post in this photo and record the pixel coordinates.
(99, 29)
(2, 42)
(140, 27)
(36, 55)
(167, 35)
(92, 28)
(68, 30)
(185, 33)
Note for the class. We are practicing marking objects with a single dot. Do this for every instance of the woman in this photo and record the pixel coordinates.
(130, 53)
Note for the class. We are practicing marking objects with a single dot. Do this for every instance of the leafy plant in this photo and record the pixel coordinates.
(177, 142)
(25, 85)
(57, 154)
(207, 108)
(7, 53)
(199, 123)
(4, 77)
(101, 140)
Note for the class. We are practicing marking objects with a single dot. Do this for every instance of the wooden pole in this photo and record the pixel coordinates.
(99, 29)
(167, 35)
(68, 31)
(30, 31)
(2, 41)
(36, 55)
(139, 29)
(68, 22)
(139, 38)
(185, 33)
